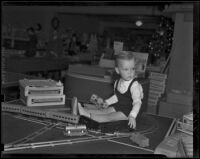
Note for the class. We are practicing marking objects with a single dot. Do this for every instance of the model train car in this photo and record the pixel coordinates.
(77, 130)
(140, 139)
(70, 118)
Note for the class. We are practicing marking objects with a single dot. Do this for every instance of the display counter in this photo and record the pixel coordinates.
(33, 64)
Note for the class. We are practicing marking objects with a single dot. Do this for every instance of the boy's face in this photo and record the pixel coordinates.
(126, 69)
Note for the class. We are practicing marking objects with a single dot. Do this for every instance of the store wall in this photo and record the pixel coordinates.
(79, 23)
(180, 76)
(22, 17)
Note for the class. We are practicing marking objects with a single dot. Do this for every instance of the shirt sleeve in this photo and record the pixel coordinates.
(137, 96)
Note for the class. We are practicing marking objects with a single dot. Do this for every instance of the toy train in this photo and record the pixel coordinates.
(70, 118)
(140, 139)
(77, 130)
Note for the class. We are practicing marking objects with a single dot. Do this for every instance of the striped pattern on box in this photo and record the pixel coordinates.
(156, 89)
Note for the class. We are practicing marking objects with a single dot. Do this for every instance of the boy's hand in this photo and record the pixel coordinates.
(132, 122)
(104, 105)
(101, 103)
(93, 99)
(98, 101)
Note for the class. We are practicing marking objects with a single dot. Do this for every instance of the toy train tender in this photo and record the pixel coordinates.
(70, 118)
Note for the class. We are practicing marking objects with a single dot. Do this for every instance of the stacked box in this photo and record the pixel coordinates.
(156, 89)
(188, 145)
(41, 92)
(3, 78)
(186, 125)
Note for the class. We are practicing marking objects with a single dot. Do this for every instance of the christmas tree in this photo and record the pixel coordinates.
(161, 43)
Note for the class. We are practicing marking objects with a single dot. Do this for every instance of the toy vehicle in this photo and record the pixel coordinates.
(77, 130)
(140, 139)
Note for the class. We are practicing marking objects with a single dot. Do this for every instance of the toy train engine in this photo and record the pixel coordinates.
(77, 130)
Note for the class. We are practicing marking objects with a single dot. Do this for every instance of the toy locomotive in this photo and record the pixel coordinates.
(77, 130)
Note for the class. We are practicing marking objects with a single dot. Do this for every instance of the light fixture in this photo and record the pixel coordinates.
(139, 22)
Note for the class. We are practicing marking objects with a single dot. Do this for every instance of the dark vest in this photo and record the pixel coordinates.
(125, 100)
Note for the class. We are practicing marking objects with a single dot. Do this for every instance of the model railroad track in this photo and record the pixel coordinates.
(23, 143)
(33, 135)
(152, 129)
(21, 146)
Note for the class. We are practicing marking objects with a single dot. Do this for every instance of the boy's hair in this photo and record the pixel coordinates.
(123, 55)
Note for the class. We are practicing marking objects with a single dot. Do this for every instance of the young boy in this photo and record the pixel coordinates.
(128, 93)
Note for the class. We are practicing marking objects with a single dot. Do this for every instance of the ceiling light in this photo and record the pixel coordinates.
(138, 23)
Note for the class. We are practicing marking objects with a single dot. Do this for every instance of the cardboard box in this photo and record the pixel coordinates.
(40, 87)
(38, 100)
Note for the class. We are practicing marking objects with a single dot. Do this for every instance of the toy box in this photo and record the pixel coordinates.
(40, 87)
(38, 100)
(104, 127)
(41, 92)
